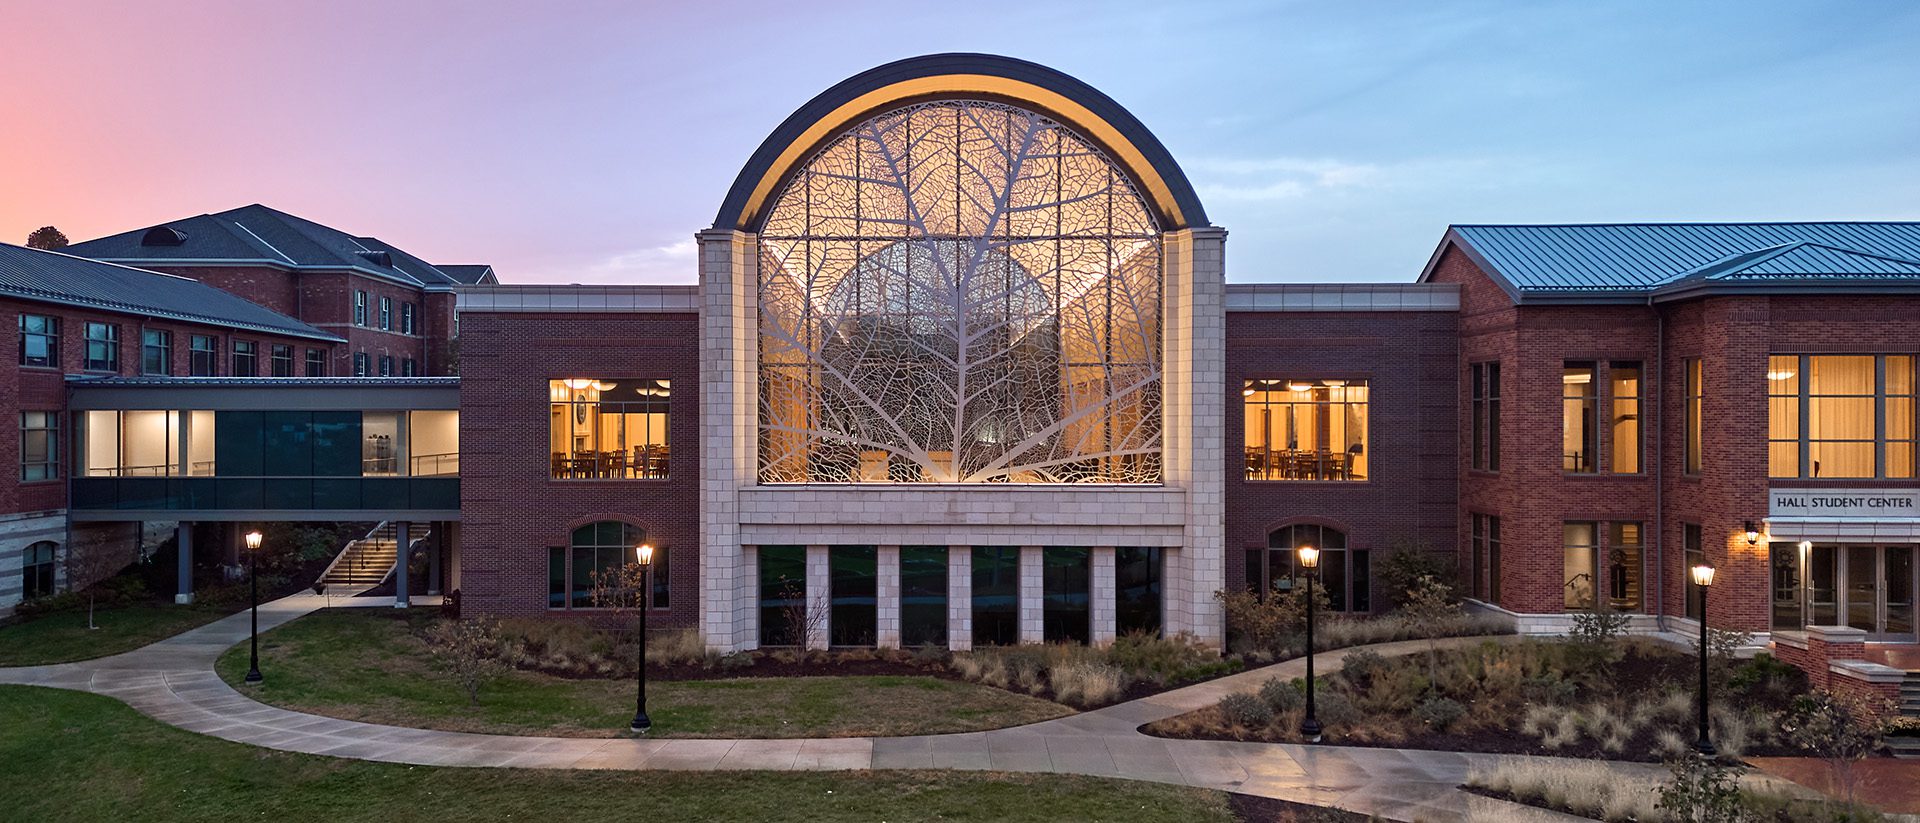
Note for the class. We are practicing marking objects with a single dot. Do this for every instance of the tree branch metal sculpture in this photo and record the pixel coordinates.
(959, 292)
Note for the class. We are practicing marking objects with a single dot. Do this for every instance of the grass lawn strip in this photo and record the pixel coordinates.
(83, 757)
(372, 667)
(63, 637)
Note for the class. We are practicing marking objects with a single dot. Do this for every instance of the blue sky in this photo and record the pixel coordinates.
(586, 142)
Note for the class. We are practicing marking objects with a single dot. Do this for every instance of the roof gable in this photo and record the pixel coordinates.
(1637, 260)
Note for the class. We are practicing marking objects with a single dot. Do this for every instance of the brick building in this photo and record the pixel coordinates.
(963, 366)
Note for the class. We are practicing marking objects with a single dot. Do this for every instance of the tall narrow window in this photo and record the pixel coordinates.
(1306, 429)
(852, 578)
(407, 367)
(386, 314)
(39, 445)
(1493, 559)
(203, 355)
(996, 595)
(39, 340)
(406, 318)
(1695, 405)
(1620, 573)
(1783, 416)
(1138, 573)
(1579, 437)
(1477, 545)
(359, 308)
(602, 429)
(923, 596)
(1486, 416)
(316, 363)
(1580, 545)
(38, 570)
(103, 347)
(1623, 385)
(246, 358)
(360, 363)
(1696, 554)
(1840, 415)
(783, 595)
(1900, 429)
(1065, 585)
(386, 365)
(282, 361)
(156, 352)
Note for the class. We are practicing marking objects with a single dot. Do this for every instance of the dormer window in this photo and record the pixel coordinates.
(163, 236)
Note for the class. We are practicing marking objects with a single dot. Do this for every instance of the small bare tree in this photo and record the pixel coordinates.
(621, 591)
(805, 618)
(1430, 609)
(469, 652)
(87, 566)
(1838, 728)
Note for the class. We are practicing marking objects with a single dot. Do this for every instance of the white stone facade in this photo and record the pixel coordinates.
(1184, 514)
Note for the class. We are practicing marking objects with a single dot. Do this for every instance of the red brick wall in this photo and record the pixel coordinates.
(1407, 359)
(512, 510)
(44, 389)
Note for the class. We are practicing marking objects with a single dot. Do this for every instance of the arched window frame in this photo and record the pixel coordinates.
(39, 569)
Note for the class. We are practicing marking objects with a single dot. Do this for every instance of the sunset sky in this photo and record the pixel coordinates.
(586, 142)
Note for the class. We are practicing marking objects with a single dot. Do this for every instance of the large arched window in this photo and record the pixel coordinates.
(588, 572)
(1347, 573)
(37, 576)
(954, 292)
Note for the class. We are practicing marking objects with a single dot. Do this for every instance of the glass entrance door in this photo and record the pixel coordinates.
(1870, 588)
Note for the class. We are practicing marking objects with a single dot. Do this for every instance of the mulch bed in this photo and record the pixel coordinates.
(1636, 674)
(1255, 809)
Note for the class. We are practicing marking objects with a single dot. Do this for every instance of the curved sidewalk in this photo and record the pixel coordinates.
(173, 681)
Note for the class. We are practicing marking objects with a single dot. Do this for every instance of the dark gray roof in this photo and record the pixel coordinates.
(1655, 258)
(471, 274)
(260, 235)
(55, 277)
(351, 382)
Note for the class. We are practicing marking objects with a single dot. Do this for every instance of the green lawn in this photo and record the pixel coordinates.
(81, 757)
(369, 664)
(63, 636)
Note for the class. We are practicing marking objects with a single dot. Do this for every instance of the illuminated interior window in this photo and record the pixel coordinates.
(959, 292)
(1579, 437)
(608, 429)
(1841, 415)
(1305, 429)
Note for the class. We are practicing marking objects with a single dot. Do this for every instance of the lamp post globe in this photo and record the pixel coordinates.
(1703, 577)
(643, 554)
(1310, 561)
(254, 539)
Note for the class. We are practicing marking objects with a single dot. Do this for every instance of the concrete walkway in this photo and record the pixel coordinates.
(173, 681)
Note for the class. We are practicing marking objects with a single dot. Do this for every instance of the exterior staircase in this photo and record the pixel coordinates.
(1908, 747)
(368, 561)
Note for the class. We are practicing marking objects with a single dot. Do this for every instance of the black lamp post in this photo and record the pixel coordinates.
(253, 586)
(641, 723)
(1310, 561)
(1703, 577)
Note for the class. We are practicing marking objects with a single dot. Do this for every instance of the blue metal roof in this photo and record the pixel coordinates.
(1637, 258)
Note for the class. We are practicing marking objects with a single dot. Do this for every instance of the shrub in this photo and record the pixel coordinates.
(1439, 712)
(1701, 790)
(1837, 728)
(679, 646)
(1406, 562)
(1084, 683)
(1282, 695)
(1361, 666)
(1598, 627)
(469, 652)
(1246, 710)
(1334, 710)
(1582, 787)
(1162, 660)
